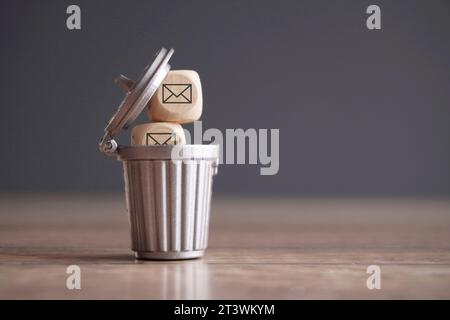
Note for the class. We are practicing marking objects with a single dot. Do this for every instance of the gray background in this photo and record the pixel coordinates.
(360, 112)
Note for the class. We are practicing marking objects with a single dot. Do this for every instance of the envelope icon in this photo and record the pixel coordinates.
(177, 93)
(161, 138)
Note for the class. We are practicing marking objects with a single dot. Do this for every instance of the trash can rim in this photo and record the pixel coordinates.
(177, 152)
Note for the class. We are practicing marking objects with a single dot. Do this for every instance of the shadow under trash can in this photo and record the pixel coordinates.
(168, 188)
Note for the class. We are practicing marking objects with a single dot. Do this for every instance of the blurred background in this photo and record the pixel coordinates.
(361, 112)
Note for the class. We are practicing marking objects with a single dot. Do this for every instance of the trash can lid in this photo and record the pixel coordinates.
(136, 99)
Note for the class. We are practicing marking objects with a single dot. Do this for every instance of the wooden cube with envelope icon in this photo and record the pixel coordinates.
(158, 134)
(178, 99)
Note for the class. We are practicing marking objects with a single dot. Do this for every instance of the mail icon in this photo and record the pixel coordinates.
(161, 138)
(177, 93)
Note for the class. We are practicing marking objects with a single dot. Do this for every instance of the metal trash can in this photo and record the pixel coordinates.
(168, 197)
(168, 200)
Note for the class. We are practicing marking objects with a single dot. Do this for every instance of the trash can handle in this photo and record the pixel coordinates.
(215, 167)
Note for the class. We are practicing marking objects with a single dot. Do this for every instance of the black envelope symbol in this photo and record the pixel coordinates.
(161, 138)
(177, 93)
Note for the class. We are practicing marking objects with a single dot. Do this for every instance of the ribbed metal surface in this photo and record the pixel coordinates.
(168, 203)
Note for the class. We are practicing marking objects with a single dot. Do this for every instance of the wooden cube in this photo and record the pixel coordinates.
(158, 134)
(178, 99)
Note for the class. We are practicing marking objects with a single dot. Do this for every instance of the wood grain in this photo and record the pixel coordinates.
(271, 248)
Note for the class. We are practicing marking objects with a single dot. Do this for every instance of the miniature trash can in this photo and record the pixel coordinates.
(168, 188)
(168, 200)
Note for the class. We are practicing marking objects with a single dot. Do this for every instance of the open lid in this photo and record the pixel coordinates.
(136, 99)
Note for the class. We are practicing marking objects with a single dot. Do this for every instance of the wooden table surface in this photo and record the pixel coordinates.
(259, 248)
